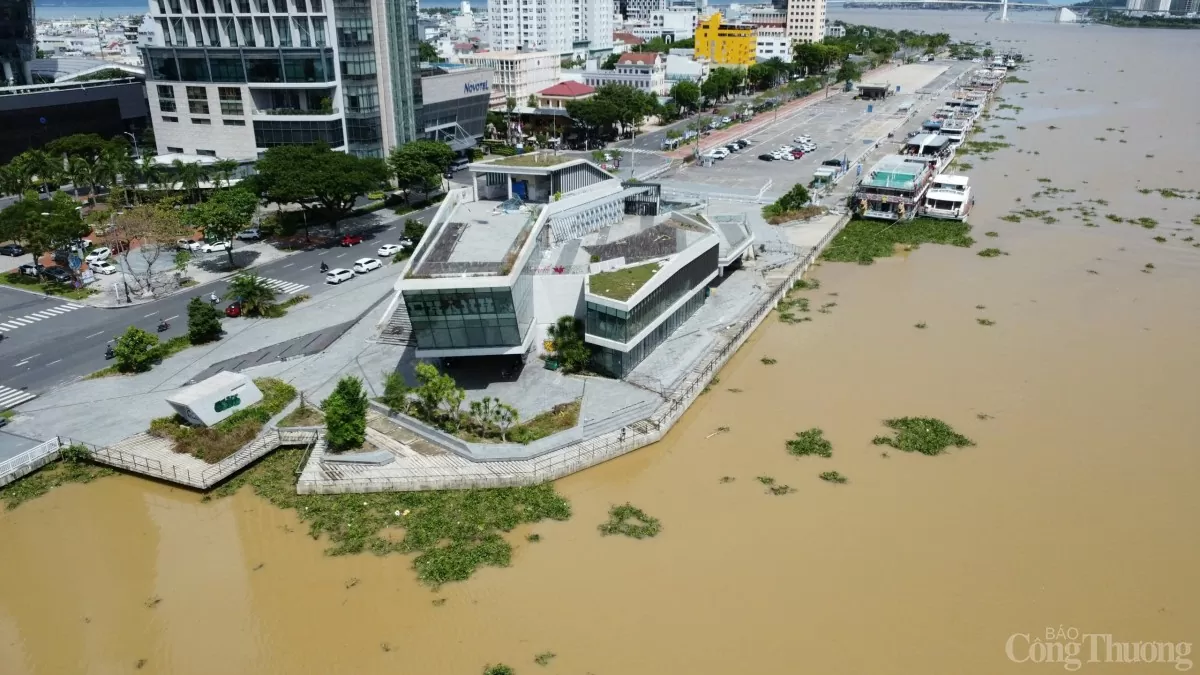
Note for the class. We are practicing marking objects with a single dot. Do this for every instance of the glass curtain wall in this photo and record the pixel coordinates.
(618, 364)
(471, 317)
(621, 326)
(360, 83)
(404, 47)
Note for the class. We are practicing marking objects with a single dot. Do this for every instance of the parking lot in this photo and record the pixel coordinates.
(839, 126)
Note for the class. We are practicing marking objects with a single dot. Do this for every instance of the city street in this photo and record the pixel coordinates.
(48, 342)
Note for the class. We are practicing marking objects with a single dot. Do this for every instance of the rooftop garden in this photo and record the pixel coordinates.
(623, 283)
(533, 159)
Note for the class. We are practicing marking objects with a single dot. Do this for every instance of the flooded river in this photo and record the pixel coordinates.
(1076, 508)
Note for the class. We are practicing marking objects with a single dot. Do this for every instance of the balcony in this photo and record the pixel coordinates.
(292, 112)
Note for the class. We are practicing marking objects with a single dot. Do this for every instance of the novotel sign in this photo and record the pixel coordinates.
(476, 87)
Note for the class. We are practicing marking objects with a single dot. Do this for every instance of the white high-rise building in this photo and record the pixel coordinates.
(549, 25)
(806, 20)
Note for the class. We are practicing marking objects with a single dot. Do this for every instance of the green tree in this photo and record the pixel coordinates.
(396, 393)
(87, 173)
(439, 397)
(317, 178)
(686, 94)
(39, 166)
(42, 225)
(12, 181)
(849, 72)
(222, 170)
(188, 176)
(135, 351)
(566, 336)
(483, 414)
(81, 145)
(414, 230)
(610, 63)
(346, 415)
(256, 296)
(792, 200)
(428, 53)
(419, 165)
(204, 322)
(226, 213)
(116, 162)
(506, 416)
(532, 101)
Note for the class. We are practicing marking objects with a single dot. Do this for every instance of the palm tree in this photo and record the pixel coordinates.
(223, 169)
(41, 165)
(116, 162)
(85, 172)
(256, 296)
(188, 176)
(152, 174)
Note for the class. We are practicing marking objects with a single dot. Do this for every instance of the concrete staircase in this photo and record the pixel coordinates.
(398, 330)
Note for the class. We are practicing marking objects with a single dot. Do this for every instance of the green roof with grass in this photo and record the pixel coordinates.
(623, 283)
(535, 159)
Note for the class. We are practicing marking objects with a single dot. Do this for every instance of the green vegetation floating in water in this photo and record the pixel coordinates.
(453, 532)
(630, 521)
(810, 442)
(990, 253)
(981, 147)
(991, 234)
(864, 240)
(544, 658)
(73, 467)
(833, 477)
(498, 669)
(985, 322)
(806, 284)
(919, 325)
(1148, 223)
(1013, 79)
(768, 361)
(926, 435)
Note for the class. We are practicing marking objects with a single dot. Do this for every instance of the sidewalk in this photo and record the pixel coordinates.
(106, 410)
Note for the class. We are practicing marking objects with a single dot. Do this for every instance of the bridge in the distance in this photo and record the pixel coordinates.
(1002, 4)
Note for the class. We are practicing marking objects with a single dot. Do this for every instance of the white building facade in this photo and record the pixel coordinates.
(233, 78)
(806, 20)
(517, 74)
(644, 70)
(773, 43)
(531, 25)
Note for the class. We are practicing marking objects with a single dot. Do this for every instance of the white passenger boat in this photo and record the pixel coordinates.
(948, 197)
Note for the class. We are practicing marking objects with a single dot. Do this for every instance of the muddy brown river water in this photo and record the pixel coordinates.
(1076, 509)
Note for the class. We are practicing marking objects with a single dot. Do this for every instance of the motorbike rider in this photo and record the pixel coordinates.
(163, 325)
(212, 298)
(324, 267)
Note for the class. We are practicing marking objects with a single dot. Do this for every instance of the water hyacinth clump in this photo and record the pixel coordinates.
(810, 442)
(630, 521)
(926, 435)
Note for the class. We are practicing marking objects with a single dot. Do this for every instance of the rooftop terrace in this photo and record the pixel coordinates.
(894, 172)
(534, 159)
(623, 283)
(477, 239)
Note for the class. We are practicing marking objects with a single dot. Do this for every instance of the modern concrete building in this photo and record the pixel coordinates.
(681, 67)
(640, 9)
(562, 27)
(643, 70)
(33, 115)
(806, 20)
(236, 77)
(725, 43)
(538, 237)
(773, 43)
(517, 74)
(454, 104)
(17, 41)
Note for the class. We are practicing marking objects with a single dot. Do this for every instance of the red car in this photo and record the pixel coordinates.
(351, 239)
(797, 154)
(234, 310)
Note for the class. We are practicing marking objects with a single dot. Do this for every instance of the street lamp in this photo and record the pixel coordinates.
(136, 153)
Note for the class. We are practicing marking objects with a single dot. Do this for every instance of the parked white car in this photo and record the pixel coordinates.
(364, 265)
(788, 157)
(720, 153)
(216, 246)
(802, 139)
(99, 255)
(103, 267)
(250, 234)
(338, 275)
(388, 250)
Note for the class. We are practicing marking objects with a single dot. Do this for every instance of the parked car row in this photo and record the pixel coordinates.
(790, 153)
(724, 151)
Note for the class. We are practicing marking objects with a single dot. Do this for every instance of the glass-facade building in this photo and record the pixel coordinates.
(611, 323)
(465, 318)
(17, 40)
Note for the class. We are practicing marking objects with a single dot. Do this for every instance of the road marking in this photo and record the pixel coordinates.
(340, 256)
(31, 318)
(53, 362)
(18, 365)
(171, 317)
(289, 264)
(10, 398)
(285, 287)
(94, 335)
(307, 268)
(149, 315)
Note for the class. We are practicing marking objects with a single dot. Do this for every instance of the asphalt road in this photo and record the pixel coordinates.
(51, 342)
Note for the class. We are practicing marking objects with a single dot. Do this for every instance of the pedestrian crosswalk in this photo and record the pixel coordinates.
(13, 323)
(285, 287)
(10, 398)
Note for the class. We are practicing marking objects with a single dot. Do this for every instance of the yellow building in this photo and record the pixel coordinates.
(725, 43)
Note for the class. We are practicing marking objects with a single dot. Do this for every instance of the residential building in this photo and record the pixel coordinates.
(641, 9)
(624, 41)
(561, 94)
(725, 43)
(503, 260)
(454, 104)
(806, 20)
(644, 70)
(233, 78)
(17, 41)
(517, 74)
(562, 27)
(669, 24)
(681, 67)
(770, 17)
(773, 43)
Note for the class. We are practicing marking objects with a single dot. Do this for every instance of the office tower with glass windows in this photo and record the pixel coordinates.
(232, 78)
(17, 40)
